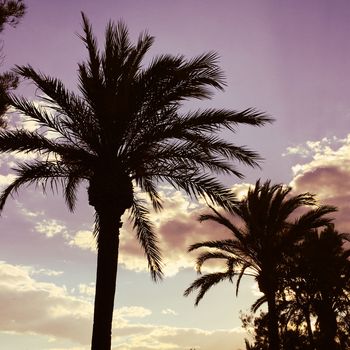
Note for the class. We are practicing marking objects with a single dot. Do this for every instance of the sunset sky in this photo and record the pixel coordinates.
(288, 58)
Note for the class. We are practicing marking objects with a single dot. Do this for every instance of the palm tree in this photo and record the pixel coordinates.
(259, 244)
(319, 279)
(125, 129)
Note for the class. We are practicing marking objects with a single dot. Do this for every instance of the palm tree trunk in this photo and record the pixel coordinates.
(328, 326)
(306, 312)
(309, 329)
(272, 322)
(106, 275)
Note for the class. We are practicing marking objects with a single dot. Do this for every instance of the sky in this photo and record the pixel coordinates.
(290, 59)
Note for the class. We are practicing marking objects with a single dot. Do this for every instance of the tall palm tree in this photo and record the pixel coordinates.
(259, 244)
(126, 129)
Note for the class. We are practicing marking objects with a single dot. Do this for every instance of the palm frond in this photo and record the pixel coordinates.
(117, 47)
(256, 305)
(37, 172)
(204, 283)
(233, 248)
(40, 115)
(26, 141)
(91, 45)
(170, 79)
(202, 258)
(313, 219)
(149, 187)
(70, 190)
(163, 158)
(147, 238)
(69, 103)
(72, 118)
(220, 219)
(289, 205)
(243, 268)
(142, 46)
(212, 120)
(216, 146)
(204, 186)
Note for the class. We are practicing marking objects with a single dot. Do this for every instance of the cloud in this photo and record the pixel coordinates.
(309, 148)
(87, 290)
(51, 227)
(169, 312)
(147, 337)
(327, 174)
(5, 180)
(297, 150)
(127, 312)
(46, 272)
(33, 307)
(30, 306)
(84, 240)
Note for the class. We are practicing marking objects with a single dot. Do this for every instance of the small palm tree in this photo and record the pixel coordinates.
(259, 244)
(126, 129)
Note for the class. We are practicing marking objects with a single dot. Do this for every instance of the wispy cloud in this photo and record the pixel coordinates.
(169, 312)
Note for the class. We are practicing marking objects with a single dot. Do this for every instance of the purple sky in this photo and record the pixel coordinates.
(290, 59)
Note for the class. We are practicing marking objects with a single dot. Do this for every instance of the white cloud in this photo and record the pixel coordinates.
(6, 180)
(310, 148)
(46, 272)
(241, 189)
(29, 213)
(169, 312)
(297, 150)
(133, 312)
(84, 240)
(51, 227)
(87, 289)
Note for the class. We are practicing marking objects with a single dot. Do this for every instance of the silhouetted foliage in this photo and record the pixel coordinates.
(126, 129)
(317, 284)
(260, 244)
(10, 13)
(257, 328)
(313, 297)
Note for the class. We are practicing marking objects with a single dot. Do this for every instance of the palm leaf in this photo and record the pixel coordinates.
(204, 283)
(257, 304)
(37, 172)
(147, 238)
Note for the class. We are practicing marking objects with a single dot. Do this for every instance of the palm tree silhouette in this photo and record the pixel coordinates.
(126, 129)
(319, 278)
(259, 244)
